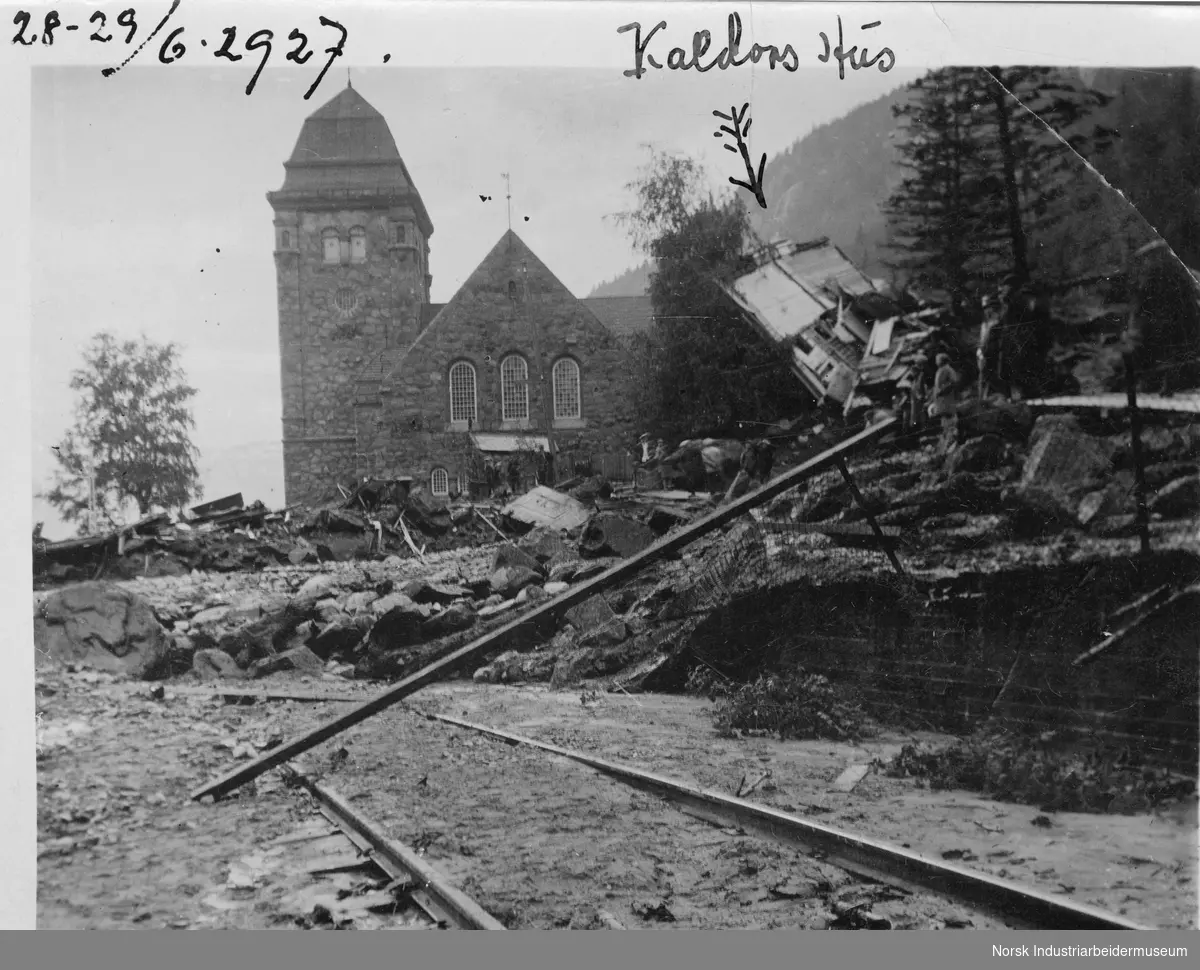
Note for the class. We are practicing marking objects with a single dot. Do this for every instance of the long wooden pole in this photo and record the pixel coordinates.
(549, 611)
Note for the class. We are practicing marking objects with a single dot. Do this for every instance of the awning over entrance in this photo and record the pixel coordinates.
(503, 443)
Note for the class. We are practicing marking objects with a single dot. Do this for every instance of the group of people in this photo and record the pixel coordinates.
(1012, 358)
(709, 463)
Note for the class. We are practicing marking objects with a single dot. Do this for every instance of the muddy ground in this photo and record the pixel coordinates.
(538, 841)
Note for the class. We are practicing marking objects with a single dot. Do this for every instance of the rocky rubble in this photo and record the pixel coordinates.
(358, 620)
(1019, 477)
(1011, 488)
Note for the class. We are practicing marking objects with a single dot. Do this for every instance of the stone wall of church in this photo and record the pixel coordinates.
(333, 317)
(411, 433)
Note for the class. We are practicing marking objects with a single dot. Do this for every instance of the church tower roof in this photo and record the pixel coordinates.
(346, 153)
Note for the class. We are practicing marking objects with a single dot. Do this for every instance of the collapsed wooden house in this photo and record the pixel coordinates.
(845, 338)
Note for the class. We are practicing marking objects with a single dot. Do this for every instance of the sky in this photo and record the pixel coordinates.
(149, 216)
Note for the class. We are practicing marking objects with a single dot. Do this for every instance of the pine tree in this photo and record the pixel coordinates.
(990, 180)
(930, 215)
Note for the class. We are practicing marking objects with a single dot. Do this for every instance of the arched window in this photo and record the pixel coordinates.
(358, 245)
(512, 290)
(514, 389)
(286, 240)
(439, 482)
(462, 393)
(566, 389)
(333, 247)
(398, 235)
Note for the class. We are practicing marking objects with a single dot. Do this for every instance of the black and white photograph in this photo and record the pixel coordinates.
(607, 466)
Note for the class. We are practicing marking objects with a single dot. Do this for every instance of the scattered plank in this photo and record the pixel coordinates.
(409, 539)
(848, 779)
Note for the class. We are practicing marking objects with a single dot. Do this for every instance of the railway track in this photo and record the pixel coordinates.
(414, 886)
(876, 868)
(1014, 905)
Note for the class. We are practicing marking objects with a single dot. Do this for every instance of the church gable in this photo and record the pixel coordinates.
(514, 351)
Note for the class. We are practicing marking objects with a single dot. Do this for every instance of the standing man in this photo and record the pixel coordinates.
(945, 406)
(917, 391)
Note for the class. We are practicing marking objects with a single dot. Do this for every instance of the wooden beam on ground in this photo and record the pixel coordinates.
(547, 613)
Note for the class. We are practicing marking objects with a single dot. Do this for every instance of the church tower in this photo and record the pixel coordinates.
(352, 268)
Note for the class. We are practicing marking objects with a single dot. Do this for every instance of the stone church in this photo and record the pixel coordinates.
(513, 378)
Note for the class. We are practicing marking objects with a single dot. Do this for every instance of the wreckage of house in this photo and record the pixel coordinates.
(845, 338)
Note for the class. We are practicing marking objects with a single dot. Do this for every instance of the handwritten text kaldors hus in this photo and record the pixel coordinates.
(731, 54)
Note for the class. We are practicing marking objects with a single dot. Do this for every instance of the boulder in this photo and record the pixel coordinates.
(480, 588)
(456, 617)
(1158, 444)
(102, 627)
(1036, 512)
(543, 544)
(584, 663)
(553, 589)
(303, 552)
(515, 667)
(596, 623)
(663, 520)
(982, 454)
(339, 637)
(510, 555)
(360, 602)
(420, 591)
(1098, 504)
(510, 580)
(1064, 459)
(316, 587)
(214, 665)
(264, 637)
(297, 659)
(532, 594)
(328, 610)
(610, 534)
(393, 601)
(210, 617)
(1178, 500)
(181, 649)
(398, 627)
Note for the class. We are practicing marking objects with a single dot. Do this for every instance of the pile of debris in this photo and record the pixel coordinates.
(1010, 474)
(378, 619)
(377, 519)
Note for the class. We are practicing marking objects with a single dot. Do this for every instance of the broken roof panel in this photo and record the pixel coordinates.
(545, 507)
(794, 283)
